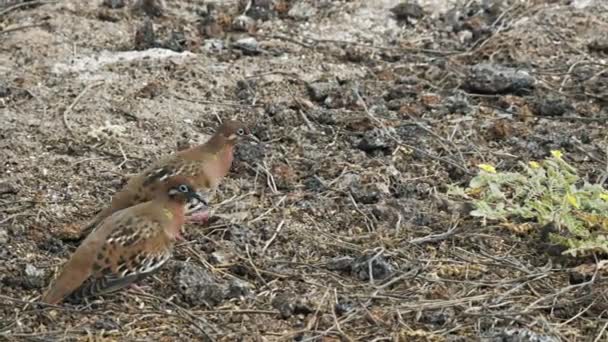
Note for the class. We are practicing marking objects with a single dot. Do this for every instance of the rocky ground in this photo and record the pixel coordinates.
(336, 226)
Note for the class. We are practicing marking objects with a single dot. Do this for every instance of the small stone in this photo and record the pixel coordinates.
(283, 304)
(402, 91)
(7, 188)
(342, 264)
(32, 271)
(437, 317)
(465, 36)
(243, 23)
(516, 335)
(288, 307)
(302, 10)
(343, 308)
(34, 277)
(457, 104)
(113, 4)
(599, 44)
(370, 193)
(492, 79)
(248, 45)
(238, 289)
(3, 236)
(213, 45)
(199, 287)
(145, 38)
(319, 91)
(106, 323)
(348, 180)
(152, 8)
(250, 153)
(5, 91)
(380, 268)
(552, 106)
(175, 42)
(261, 10)
(52, 245)
(218, 258)
(314, 184)
(376, 140)
(407, 10)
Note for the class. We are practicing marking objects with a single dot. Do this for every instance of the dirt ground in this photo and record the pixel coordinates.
(336, 227)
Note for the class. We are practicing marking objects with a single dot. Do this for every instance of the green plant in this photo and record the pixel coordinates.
(547, 191)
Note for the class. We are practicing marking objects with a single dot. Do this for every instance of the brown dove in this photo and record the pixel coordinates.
(128, 245)
(204, 165)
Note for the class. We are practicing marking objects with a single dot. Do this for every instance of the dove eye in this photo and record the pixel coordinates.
(240, 131)
(183, 188)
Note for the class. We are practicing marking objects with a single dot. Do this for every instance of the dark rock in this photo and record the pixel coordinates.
(250, 153)
(581, 274)
(397, 104)
(457, 104)
(342, 308)
(347, 95)
(546, 244)
(323, 116)
(437, 317)
(106, 323)
(145, 38)
(284, 305)
(302, 309)
(245, 89)
(407, 10)
(599, 44)
(199, 287)
(342, 264)
(376, 140)
(113, 4)
(402, 91)
(356, 54)
(384, 212)
(238, 289)
(239, 234)
(366, 194)
(175, 42)
(108, 15)
(319, 91)
(288, 306)
(313, 183)
(8, 188)
(52, 245)
(552, 106)
(380, 268)
(261, 10)
(286, 117)
(5, 91)
(493, 79)
(152, 8)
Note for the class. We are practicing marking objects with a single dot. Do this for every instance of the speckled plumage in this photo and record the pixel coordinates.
(127, 246)
(204, 165)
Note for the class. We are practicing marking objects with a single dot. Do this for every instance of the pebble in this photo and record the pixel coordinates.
(302, 10)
